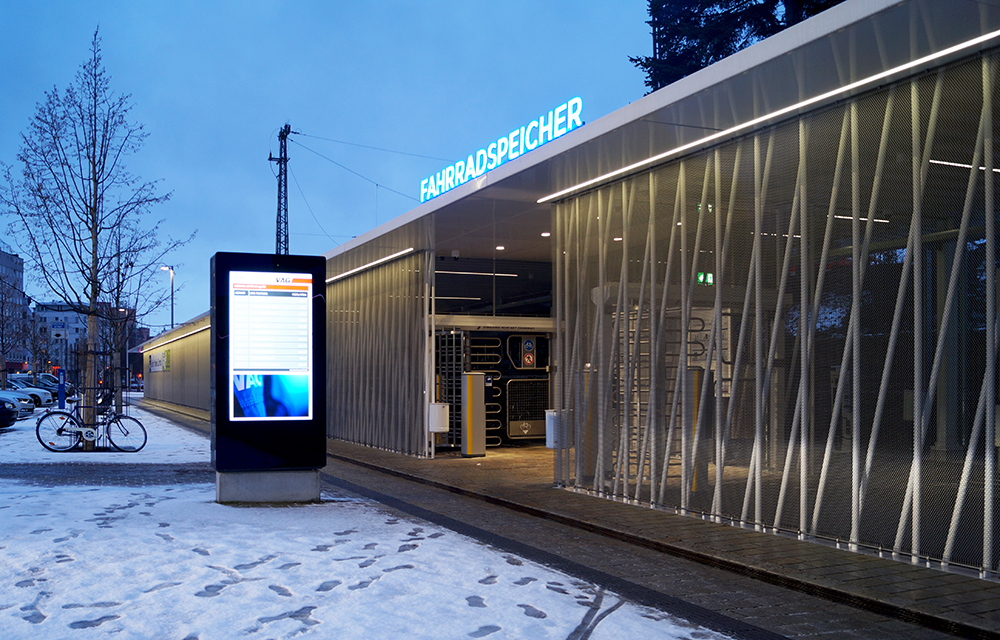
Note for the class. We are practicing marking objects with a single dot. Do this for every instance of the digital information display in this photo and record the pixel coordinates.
(268, 394)
(270, 346)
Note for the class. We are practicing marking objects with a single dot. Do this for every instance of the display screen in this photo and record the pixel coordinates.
(270, 346)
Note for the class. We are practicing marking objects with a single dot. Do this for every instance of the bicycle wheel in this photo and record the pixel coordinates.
(126, 433)
(53, 431)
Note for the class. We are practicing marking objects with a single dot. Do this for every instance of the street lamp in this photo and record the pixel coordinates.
(171, 270)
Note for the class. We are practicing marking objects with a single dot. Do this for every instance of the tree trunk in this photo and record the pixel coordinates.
(116, 364)
(90, 379)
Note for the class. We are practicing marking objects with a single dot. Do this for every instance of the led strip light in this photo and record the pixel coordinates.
(774, 114)
(370, 264)
(165, 343)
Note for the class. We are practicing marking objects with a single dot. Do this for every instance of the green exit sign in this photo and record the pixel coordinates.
(706, 278)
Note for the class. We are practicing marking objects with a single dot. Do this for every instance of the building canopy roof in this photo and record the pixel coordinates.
(855, 47)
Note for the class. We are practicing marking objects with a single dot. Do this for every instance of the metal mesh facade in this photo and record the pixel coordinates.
(796, 330)
(377, 342)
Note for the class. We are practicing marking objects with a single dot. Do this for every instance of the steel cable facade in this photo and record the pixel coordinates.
(377, 341)
(796, 330)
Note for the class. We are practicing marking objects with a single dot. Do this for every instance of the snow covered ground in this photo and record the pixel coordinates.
(166, 561)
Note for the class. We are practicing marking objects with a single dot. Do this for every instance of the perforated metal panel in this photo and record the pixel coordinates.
(527, 400)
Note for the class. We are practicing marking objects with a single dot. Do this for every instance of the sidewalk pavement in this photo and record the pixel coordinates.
(134, 546)
(645, 549)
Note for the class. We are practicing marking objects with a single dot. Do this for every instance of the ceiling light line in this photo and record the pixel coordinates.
(861, 219)
(476, 273)
(371, 264)
(774, 114)
(958, 165)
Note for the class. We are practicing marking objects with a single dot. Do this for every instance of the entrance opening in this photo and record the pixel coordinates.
(516, 368)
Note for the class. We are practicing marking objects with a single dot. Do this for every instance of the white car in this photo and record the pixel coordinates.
(41, 397)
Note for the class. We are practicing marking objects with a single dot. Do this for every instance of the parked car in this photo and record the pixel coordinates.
(25, 405)
(42, 398)
(8, 414)
(44, 381)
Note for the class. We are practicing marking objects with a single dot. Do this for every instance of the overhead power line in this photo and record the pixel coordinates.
(299, 187)
(366, 146)
(348, 169)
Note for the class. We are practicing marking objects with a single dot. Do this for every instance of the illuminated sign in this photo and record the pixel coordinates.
(545, 128)
(270, 345)
(159, 361)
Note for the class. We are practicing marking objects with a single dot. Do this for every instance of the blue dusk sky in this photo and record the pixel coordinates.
(384, 93)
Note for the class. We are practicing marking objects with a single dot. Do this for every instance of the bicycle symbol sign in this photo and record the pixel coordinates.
(529, 344)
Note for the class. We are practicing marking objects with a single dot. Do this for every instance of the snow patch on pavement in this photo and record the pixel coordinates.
(167, 561)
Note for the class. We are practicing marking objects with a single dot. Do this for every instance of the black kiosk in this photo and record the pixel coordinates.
(268, 376)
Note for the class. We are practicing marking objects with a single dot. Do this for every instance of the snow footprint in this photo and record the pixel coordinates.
(364, 584)
(329, 585)
(210, 591)
(484, 631)
(532, 612)
(88, 624)
(251, 565)
(303, 615)
(161, 586)
(402, 566)
(66, 538)
(34, 615)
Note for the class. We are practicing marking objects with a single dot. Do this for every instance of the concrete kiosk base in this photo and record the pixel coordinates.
(267, 486)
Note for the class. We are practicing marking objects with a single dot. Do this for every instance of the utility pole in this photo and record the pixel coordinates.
(281, 236)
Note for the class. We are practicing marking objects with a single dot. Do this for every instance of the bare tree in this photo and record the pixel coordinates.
(80, 212)
(37, 342)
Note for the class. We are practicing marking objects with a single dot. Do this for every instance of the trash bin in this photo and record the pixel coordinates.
(439, 416)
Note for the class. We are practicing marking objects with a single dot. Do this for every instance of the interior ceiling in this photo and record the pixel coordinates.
(503, 211)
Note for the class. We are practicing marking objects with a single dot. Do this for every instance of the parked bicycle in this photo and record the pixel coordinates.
(61, 430)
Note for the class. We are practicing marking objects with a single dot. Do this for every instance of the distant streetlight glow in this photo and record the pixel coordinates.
(171, 270)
